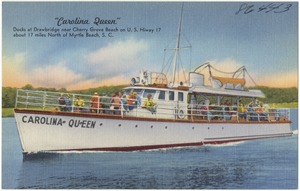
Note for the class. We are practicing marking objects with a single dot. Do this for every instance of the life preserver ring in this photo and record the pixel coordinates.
(181, 114)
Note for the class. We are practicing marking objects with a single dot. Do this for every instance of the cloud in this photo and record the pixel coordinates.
(119, 57)
(56, 75)
(13, 70)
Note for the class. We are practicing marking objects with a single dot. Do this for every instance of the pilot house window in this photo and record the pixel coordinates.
(162, 95)
(171, 95)
(180, 96)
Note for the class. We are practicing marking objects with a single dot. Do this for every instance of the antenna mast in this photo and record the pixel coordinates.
(177, 48)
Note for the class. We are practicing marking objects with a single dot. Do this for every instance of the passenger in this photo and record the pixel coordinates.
(79, 103)
(266, 107)
(105, 102)
(258, 109)
(257, 103)
(115, 100)
(62, 103)
(149, 104)
(251, 112)
(265, 111)
(226, 113)
(204, 110)
(226, 104)
(95, 103)
(68, 103)
(250, 107)
(122, 100)
(234, 106)
(131, 101)
(242, 110)
(120, 94)
(131, 98)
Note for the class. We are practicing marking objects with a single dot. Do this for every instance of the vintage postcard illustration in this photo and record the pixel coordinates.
(150, 95)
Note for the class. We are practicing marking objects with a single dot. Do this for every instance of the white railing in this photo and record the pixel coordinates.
(44, 100)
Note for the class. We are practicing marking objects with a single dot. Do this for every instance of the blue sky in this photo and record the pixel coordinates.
(266, 43)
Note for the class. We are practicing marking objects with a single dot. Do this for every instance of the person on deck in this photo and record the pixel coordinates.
(115, 101)
(79, 103)
(242, 110)
(68, 103)
(131, 100)
(226, 113)
(95, 103)
(149, 104)
(62, 103)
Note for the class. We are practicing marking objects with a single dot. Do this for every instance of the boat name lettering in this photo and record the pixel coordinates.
(82, 123)
(43, 120)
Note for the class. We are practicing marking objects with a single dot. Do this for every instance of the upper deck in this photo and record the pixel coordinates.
(170, 104)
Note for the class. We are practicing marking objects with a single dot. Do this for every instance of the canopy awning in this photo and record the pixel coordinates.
(234, 81)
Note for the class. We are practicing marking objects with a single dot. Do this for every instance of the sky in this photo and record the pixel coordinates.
(227, 35)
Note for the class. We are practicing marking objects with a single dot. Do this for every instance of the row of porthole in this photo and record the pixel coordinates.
(152, 126)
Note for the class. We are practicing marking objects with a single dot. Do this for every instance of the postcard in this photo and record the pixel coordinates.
(150, 95)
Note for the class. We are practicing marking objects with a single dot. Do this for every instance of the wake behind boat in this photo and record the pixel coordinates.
(153, 112)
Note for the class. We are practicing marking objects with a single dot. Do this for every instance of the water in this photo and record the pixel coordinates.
(258, 164)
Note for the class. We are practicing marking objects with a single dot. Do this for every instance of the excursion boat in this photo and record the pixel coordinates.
(181, 113)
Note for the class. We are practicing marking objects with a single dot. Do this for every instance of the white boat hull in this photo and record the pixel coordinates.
(47, 131)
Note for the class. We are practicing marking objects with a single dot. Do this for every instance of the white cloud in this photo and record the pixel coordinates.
(13, 70)
(57, 75)
(119, 57)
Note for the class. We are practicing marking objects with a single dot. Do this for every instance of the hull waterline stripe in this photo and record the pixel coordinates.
(268, 135)
(150, 147)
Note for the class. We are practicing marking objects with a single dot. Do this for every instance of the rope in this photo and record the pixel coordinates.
(251, 77)
(221, 71)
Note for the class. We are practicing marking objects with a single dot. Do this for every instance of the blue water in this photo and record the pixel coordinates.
(259, 164)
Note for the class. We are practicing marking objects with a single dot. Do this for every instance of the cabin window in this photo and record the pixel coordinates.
(146, 92)
(162, 95)
(138, 91)
(171, 95)
(126, 92)
(180, 96)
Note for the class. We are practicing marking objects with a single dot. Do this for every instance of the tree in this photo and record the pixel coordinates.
(28, 87)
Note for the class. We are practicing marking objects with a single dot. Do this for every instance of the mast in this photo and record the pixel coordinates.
(177, 48)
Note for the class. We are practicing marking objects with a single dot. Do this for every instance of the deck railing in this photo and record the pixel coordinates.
(44, 100)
